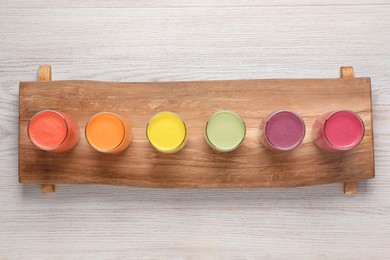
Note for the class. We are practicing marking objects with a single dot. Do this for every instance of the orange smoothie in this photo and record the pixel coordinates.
(108, 132)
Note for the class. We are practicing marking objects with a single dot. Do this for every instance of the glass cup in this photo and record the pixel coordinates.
(225, 131)
(338, 131)
(283, 131)
(53, 131)
(166, 132)
(108, 132)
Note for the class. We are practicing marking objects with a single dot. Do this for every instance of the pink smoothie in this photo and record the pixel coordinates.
(47, 129)
(344, 129)
(285, 130)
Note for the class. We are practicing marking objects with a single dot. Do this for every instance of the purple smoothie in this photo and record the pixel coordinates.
(284, 130)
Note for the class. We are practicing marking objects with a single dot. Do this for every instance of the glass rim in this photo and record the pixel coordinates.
(171, 150)
(43, 147)
(290, 147)
(97, 148)
(219, 149)
(336, 146)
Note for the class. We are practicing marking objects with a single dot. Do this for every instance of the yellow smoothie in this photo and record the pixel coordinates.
(166, 132)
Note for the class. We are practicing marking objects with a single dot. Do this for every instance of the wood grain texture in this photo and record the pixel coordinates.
(173, 42)
(197, 165)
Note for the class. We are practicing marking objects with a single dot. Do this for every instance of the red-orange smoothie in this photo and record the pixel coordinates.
(53, 131)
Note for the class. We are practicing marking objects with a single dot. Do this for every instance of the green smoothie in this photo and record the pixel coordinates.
(225, 131)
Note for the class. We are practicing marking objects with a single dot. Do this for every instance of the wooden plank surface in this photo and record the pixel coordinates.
(197, 165)
(201, 42)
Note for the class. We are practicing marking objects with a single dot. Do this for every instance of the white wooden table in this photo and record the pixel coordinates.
(193, 40)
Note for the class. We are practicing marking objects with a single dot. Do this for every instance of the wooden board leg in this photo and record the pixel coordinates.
(45, 188)
(44, 74)
(350, 188)
(346, 72)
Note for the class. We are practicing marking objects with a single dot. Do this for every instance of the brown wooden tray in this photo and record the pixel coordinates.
(197, 166)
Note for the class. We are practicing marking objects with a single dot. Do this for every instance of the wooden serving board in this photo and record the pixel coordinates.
(197, 166)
